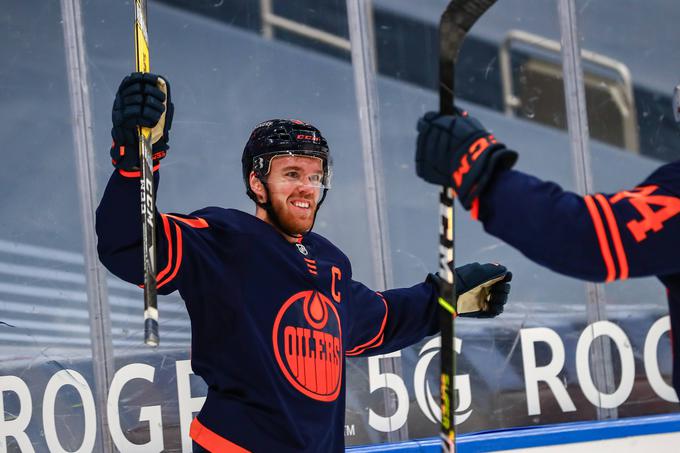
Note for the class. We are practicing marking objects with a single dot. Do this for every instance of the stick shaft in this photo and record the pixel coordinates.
(148, 202)
(455, 22)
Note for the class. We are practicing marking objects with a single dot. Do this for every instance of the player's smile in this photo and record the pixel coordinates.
(301, 207)
(295, 188)
(301, 216)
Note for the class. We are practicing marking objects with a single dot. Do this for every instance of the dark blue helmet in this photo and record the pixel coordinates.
(282, 137)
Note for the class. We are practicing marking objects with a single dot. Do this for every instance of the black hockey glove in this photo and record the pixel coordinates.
(141, 100)
(481, 289)
(456, 151)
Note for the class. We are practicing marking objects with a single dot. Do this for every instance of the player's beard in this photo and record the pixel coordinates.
(291, 219)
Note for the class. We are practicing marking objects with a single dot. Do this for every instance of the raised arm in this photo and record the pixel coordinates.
(598, 237)
(141, 100)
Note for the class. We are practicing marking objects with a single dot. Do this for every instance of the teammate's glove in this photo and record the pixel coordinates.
(481, 289)
(142, 99)
(456, 151)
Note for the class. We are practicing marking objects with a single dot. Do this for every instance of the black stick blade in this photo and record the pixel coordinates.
(456, 21)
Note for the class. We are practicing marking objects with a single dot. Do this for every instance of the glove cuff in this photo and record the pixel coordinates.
(136, 174)
(498, 158)
(126, 158)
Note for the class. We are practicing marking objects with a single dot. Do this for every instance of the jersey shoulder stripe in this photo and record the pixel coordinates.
(192, 221)
(171, 224)
(174, 244)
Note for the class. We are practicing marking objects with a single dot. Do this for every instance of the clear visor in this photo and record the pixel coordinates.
(295, 169)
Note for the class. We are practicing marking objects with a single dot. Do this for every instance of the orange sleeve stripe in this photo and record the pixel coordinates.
(355, 352)
(375, 341)
(166, 230)
(194, 223)
(211, 440)
(178, 263)
(474, 209)
(137, 173)
(601, 238)
(615, 235)
(130, 174)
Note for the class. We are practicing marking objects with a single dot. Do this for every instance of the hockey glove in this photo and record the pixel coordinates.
(481, 289)
(456, 151)
(142, 99)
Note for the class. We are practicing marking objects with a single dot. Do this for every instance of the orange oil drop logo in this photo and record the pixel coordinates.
(307, 341)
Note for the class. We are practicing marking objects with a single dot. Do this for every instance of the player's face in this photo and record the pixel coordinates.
(295, 187)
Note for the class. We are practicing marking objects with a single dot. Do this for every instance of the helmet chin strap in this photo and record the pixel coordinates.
(275, 218)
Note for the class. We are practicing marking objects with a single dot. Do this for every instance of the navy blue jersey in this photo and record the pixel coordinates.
(271, 321)
(600, 237)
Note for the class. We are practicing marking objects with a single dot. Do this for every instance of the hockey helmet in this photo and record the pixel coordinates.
(280, 137)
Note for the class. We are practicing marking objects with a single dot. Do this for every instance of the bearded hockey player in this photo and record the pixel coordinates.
(268, 279)
(599, 237)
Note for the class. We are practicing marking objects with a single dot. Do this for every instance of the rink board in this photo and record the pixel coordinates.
(656, 433)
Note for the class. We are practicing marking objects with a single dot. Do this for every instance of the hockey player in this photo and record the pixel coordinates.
(599, 237)
(273, 306)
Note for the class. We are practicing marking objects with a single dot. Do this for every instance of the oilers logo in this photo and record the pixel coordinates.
(307, 341)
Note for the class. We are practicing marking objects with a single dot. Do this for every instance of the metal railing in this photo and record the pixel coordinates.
(271, 21)
(625, 106)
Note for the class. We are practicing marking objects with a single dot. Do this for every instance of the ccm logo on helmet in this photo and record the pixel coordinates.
(312, 138)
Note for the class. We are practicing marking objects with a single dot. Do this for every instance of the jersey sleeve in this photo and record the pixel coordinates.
(598, 237)
(387, 321)
(119, 233)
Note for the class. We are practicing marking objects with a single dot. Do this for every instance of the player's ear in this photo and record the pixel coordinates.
(257, 187)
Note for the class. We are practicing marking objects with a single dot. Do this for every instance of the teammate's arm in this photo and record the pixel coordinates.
(598, 237)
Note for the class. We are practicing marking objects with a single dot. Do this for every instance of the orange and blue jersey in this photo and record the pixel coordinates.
(271, 321)
(599, 237)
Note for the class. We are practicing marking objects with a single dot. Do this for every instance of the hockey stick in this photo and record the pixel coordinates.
(455, 22)
(147, 190)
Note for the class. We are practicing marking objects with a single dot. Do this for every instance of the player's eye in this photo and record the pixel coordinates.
(292, 175)
(315, 179)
